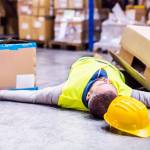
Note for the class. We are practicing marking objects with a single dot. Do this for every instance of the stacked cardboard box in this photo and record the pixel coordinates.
(35, 7)
(35, 28)
(74, 4)
(71, 22)
(138, 12)
(36, 19)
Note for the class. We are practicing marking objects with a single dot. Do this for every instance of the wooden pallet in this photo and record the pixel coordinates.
(134, 66)
(41, 44)
(136, 63)
(67, 46)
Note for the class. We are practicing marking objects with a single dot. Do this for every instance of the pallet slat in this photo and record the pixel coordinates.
(69, 46)
(135, 67)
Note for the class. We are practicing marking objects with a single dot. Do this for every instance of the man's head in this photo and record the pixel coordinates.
(100, 96)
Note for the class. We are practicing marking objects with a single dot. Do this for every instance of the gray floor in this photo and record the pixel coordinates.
(37, 127)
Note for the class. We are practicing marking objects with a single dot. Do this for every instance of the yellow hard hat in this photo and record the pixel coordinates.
(128, 115)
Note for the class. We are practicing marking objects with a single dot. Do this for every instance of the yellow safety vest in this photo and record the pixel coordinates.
(80, 74)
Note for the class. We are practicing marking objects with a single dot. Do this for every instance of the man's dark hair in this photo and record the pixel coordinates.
(99, 103)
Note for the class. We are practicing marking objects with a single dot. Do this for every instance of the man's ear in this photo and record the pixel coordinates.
(88, 96)
(107, 80)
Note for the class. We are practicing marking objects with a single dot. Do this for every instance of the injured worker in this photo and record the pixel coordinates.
(91, 86)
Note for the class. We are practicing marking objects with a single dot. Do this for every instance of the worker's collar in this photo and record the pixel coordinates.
(101, 73)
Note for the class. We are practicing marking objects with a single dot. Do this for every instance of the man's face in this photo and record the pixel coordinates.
(101, 86)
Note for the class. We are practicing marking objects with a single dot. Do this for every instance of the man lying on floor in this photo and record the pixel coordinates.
(91, 86)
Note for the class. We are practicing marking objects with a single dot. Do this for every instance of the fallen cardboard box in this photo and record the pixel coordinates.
(17, 64)
(143, 79)
(135, 53)
(136, 40)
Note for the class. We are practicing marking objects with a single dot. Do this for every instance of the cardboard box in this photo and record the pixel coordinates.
(36, 8)
(137, 12)
(73, 32)
(24, 8)
(36, 28)
(140, 13)
(25, 2)
(41, 11)
(69, 32)
(59, 4)
(67, 15)
(135, 53)
(25, 27)
(37, 3)
(82, 4)
(42, 7)
(72, 25)
(75, 4)
(42, 3)
(136, 40)
(42, 28)
(75, 15)
(78, 4)
(17, 64)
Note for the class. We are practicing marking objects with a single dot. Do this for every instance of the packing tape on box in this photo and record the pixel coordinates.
(17, 46)
(31, 89)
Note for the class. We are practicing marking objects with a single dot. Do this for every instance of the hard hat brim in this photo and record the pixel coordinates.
(144, 132)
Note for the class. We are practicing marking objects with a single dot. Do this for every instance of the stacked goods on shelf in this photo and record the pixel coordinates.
(138, 12)
(35, 28)
(72, 26)
(74, 4)
(35, 7)
(71, 22)
(36, 20)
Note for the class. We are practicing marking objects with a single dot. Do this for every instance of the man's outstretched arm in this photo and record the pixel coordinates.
(142, 96)
(48, 95)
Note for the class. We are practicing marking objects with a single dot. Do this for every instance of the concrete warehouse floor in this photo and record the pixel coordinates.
(37, 127)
